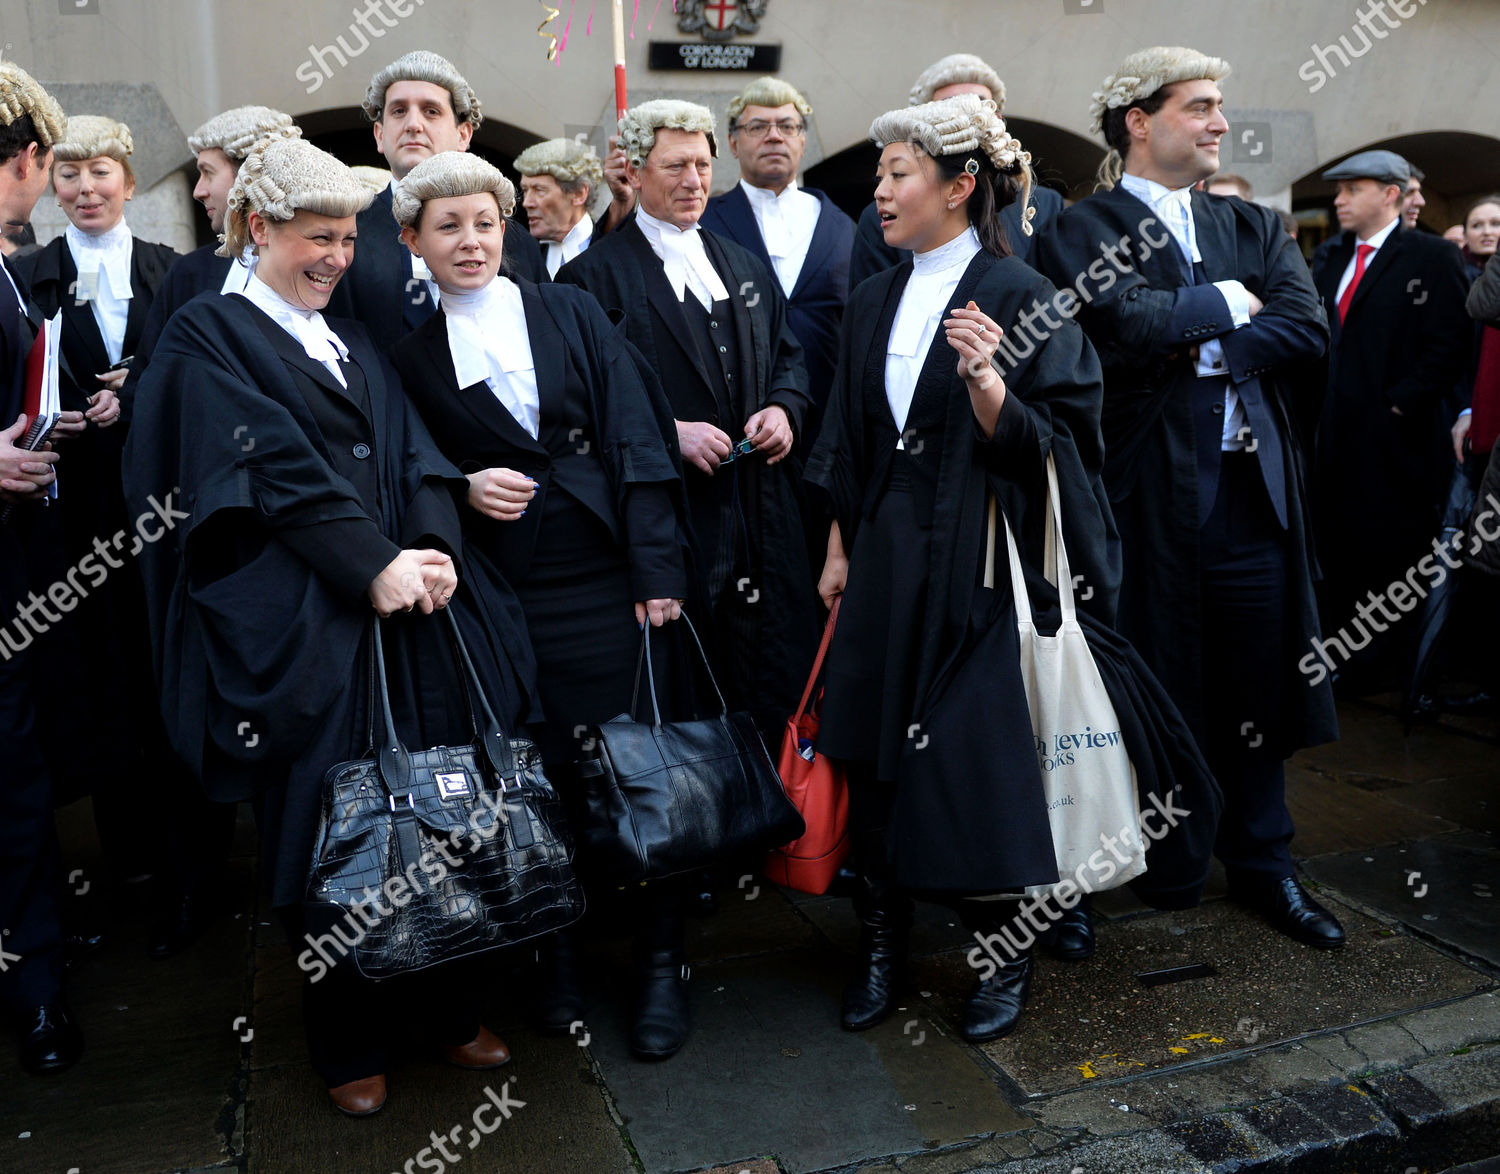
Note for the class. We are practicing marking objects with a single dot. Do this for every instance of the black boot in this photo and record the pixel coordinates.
(662, 1019)
(884, 937)
(994, 1009)
(1071, 936)
(559, 990)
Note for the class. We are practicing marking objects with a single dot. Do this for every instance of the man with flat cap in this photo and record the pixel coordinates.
(1200, 308)
(419, 105)
(1395, 301)
(958, 73)
(31, 935)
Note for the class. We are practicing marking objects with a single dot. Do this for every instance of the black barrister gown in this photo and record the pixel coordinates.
(913, 523)
(94, 665)
(605, 527)
(299, 493)
(1152, 470)
(762, 601)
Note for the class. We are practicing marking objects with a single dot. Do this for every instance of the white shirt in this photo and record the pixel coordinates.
(103, 264)
(787, 223)
(314, 335)
(559, 253)
(240, 271)
(924, 305)
(1377, 239)
(684, 258)
(1174, 208)
(488, 342)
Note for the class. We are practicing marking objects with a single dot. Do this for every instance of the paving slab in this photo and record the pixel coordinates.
(767, 1071)
(1374, 749)
(1447, 887)
(1096, 1021)
(156, 1087)
(1336, 815)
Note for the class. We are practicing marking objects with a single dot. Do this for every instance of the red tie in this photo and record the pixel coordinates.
(1363, 255)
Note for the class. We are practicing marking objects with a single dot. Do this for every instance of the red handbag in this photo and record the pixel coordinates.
(817, 788)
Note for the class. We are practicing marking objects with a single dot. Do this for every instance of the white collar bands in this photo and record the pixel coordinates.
(109, 252)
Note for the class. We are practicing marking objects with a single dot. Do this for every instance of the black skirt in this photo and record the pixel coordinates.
(581, 617)
(869, 689)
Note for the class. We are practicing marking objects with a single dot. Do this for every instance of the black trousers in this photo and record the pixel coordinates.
(1243, 586)
(351, 1022)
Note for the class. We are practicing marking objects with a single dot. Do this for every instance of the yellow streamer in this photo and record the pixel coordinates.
(541, 29)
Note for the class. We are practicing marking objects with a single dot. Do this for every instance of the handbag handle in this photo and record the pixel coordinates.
(817, 668)
(392, 758)
(645, 654)
(1055, 547)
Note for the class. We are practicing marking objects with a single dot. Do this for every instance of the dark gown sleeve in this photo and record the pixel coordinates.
(347, 553)
(655, 551)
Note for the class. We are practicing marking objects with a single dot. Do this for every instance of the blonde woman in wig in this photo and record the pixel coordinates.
(314, 499)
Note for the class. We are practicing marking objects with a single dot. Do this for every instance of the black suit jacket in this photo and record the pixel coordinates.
(51, 272)
(815, 309)
(871, 253)
(593, 409)
(1381, 476)
(377, 289)
(197, 272)
(1141, 309)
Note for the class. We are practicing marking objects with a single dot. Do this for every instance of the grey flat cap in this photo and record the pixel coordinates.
(1385, 166)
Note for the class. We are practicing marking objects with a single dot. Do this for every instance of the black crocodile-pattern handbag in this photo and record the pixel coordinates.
(427, 856)
(668, 797)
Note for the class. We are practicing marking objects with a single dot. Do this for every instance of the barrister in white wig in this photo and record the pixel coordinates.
(798, 233)
(1205, 341)
(102, 279)
(958, 73)
(574, 492)
(418, 105)
(218, 146)
(920, 430)
(562, 186)
(317, 501)
(712, 323)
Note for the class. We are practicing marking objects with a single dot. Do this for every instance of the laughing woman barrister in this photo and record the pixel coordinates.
(315, 499)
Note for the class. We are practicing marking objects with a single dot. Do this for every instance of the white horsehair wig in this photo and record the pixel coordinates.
(569, 161)
(954, 70)
(21, 95)
(423, 65)
(235, 131)
(639, 125)
(447, 174)
(766, 91)
(93, 136)
(281, 177)
(1139, 76)
(961, 125)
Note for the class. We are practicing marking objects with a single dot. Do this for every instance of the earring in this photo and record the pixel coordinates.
(951, 205)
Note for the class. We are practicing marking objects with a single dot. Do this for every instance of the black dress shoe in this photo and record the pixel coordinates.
(994, 1009)
(1071, 936)
(177, 926)
(1292, 910)
(884, 938)
(50, 1039)
(662, 1018)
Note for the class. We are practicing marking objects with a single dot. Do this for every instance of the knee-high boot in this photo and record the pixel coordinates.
(662, 1020)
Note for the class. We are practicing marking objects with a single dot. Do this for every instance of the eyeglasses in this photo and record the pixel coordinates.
(760, 128)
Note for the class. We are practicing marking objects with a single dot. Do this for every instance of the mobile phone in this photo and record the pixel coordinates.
(738, 449)
(121, 365)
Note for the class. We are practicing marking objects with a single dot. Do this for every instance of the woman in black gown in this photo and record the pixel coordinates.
(575, 493)
(309, 497)
(96, 669)
(921, 429)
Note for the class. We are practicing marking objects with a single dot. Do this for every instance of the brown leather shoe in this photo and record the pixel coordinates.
(359, 1098)
(485, 1050)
